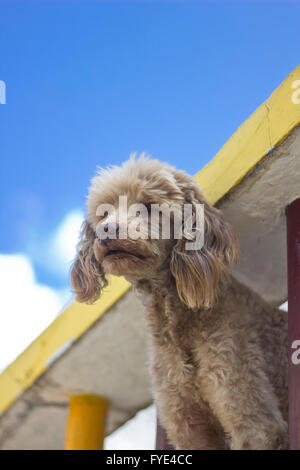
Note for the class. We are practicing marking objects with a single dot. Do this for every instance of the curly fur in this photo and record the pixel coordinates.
(218, 352)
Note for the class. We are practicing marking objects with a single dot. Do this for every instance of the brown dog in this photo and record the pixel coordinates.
(218, 352)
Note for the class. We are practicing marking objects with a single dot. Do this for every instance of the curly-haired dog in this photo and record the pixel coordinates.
(218, 352)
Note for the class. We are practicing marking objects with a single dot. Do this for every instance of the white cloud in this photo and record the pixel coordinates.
(29, 307)
(65, 238)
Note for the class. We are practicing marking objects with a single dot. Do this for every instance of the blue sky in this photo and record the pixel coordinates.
(90, 82)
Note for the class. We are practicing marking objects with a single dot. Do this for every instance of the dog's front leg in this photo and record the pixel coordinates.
(189, 425)
(244, 402)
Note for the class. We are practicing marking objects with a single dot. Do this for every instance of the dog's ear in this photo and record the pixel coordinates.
(87, 276)
(198, 272)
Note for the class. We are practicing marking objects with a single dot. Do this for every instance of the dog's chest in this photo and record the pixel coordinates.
(170, 349)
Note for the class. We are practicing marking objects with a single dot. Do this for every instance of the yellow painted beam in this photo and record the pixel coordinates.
(65, 329)
(266, 128)
(86, 423)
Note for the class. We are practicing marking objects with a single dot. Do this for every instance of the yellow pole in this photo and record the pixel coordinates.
(85, 428)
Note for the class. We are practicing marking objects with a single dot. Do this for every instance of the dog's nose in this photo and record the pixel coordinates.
(113, 231)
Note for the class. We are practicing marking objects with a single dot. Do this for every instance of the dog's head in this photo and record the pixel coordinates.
(126, 235)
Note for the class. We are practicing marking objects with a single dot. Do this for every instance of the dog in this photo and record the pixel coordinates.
(217, 351)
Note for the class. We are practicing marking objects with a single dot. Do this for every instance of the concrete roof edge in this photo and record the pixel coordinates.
(54, 341)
